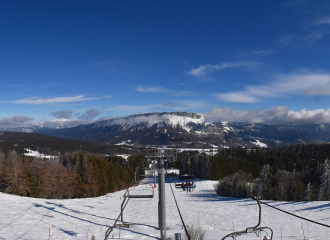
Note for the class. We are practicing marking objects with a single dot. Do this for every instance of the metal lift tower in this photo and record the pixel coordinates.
(162, 155)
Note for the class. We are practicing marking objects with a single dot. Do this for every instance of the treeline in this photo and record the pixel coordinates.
(71, 175)
(294, 173)
(49, 145)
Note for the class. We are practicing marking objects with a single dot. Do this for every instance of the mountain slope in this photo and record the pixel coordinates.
(50, 145)
(192, 130)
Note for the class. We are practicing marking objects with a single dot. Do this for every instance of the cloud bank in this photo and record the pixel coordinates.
(276, 115)
(62, 114)
(90, 114)
(323, 20)
(38, 100)
(61, 122)
(306, 84)
(14, 121)
(181, 105)
(159, 89)
(204, 69)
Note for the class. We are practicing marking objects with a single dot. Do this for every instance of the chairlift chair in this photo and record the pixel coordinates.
(186, 177)
(128, 196)
(257, 230)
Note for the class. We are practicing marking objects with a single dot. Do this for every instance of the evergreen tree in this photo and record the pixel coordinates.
(309, 194)
(325, 179)
(80, 187)
(291, 194)
(321, 196)
(31, 190)
(264, 184)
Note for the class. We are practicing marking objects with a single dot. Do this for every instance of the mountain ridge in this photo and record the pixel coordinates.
(192, 130)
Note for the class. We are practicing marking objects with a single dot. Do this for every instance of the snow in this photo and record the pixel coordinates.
(226, 129)
(125, 143)
(260, 144)
(201, 133)
(160, 121)
(214, 146)
(32, 218)
(125, 156)
(37, 154)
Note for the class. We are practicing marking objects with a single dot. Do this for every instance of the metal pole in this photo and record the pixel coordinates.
(162, 201)
(154, 164)
(159, 197)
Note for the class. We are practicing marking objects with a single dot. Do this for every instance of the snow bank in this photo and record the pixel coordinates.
(37, 154)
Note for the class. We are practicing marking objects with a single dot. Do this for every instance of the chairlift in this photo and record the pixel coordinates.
(186, 177)
(128, 195)
(257, 230)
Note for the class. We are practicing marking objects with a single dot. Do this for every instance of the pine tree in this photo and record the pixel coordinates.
(31, 190)
(325, 179)
(80, 187)
(264, 184)
(291, 194)
(309, 194)
(321, 196)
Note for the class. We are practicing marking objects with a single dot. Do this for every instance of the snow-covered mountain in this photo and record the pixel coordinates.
(191, 130)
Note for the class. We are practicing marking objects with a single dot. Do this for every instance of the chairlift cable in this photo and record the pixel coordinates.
(306, 219)
(184, 225)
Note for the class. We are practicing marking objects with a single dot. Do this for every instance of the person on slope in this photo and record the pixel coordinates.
(188, 186)
(193, 186)
(183, 186)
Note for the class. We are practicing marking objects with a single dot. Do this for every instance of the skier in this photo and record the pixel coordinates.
(188, 186)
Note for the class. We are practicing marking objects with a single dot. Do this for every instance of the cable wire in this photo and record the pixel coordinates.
(322, 224)
(179, 210)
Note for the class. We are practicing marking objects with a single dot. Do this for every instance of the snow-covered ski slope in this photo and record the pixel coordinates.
(31, 218)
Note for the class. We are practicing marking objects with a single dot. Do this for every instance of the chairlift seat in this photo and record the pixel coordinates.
(141, 196)
(187, 177)
(178, 185)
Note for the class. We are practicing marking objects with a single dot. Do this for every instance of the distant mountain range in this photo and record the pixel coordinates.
(185, 129)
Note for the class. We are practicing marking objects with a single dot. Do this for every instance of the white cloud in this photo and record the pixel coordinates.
(204, 69)
(176, 105)
(90, 114)
(280, 114)
(62, 122)
(307, 84)
(287, 40)
(152, 89)
(145, 89)
(263, 52)
(186, 105)
(131, 108)
(62, 114)
(38, 100)
(323, 20)
(236, 97)
(14, 121)
(313, 37)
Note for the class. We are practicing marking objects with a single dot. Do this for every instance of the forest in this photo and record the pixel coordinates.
(291, 173)
(70, 175)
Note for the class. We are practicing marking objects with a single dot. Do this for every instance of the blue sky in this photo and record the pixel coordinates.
(256, 61)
